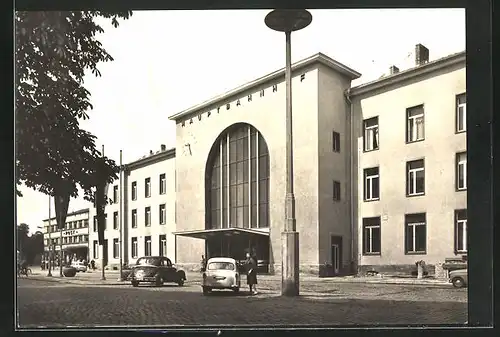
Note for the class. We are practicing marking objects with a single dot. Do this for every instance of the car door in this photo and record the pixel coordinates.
(169, 270)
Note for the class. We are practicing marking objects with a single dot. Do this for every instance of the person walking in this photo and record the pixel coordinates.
(92, 264)
(251, 265)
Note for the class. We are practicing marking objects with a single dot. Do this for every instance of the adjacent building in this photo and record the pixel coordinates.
(74, 237)
(379, 173)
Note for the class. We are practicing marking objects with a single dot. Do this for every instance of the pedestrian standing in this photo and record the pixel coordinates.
(251, 266)
(203, 263)
(92, 264)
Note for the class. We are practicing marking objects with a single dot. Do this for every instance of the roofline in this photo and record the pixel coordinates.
(80, 211)
(167, 154)
(407, 74)
(319, 57)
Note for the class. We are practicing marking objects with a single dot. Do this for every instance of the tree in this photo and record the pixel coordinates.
(22, 236)
(53, 50)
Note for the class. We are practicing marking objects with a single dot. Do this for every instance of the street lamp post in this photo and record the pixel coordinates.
(288, 21)
(50, 242)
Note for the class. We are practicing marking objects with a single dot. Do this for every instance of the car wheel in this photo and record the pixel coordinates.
(135, 283)
(236, 290)
(458, 282)
(180, 282)
(206, 290)
(159, 281)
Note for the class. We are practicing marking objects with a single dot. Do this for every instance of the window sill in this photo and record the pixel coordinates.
(460, 131)
(415, 253)
(415, 141)
(162, 224)
(371, 200)
(366, 151)
(372, 254)
(461, 189)
(162, 193)
(415, 195)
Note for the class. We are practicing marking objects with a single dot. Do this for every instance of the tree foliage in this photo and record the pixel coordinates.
(53, 51)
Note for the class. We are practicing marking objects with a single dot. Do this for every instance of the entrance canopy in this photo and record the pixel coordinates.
(208, 233)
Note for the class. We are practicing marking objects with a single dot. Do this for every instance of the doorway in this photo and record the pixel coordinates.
(336, 254)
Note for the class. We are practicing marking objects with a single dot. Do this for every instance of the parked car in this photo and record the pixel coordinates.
(157, 270)
(79, 266)
(458, 278)
(221, 273)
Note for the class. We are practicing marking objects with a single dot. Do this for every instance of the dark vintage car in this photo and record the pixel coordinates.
(157, 270)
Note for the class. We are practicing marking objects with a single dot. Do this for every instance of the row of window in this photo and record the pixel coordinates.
(68, 240)
(69, 225)
(162, 244)
(162, 186)
(415, 178)
(162, 217)
(415, 234)
(415, 125)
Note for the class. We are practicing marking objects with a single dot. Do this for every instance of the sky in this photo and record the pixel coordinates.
(167, 61)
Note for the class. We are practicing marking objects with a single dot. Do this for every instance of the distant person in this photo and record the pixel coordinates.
(203, 263)
(92, 264)
(251, 266)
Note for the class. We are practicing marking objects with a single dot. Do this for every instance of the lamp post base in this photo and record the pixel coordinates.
(290, 263)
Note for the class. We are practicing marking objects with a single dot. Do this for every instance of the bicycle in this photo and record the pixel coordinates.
(26, 271)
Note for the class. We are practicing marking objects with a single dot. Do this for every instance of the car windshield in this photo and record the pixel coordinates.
(221, 266)
(152, 261)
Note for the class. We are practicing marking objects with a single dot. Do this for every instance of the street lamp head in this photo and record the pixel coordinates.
(288, 20)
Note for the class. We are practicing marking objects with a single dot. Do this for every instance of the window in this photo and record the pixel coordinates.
(415, 180)
(134, 190)
(461, 113)
(415, 233)
(105, 221)
(115, 220)
(134, 218)
(85, 223)
(336, 190)
(147, 246)
(115, 194)
(163, 184)
(162, 214)
(163, 245)
(116, 249)
(96, 249)
(372, 184)
(335, 141)
(134, 247)
(237, 181)
(461, 231)
(147, 216)
(370, 134)
(461, 172)
(95, 223)
(371, 236)
(147, 187)
(415, 129)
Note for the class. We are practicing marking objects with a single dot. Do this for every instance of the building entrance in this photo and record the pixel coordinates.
(236, 247)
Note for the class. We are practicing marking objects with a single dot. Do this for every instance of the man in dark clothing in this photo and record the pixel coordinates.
(251, 265)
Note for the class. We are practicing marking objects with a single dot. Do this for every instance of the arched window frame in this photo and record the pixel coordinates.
(237, 180)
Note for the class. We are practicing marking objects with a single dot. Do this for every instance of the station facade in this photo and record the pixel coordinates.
(379, 173)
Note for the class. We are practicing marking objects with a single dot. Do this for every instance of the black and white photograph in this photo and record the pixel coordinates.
(250, 168)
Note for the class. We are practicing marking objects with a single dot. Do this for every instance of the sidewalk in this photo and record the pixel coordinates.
(269, 282)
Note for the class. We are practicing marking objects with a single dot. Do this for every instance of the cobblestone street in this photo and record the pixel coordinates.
(42, 303)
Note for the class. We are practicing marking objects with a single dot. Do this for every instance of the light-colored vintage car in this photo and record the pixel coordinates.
(79, 266)
(221, 273)
(458, 278)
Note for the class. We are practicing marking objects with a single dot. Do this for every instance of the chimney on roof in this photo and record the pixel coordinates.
(393, 70)
(163, 147)
(421, 55)
(150, 152)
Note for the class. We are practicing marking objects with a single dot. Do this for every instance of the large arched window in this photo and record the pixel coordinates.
(237, 180)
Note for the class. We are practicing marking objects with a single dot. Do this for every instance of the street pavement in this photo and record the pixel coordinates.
(59, 304)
